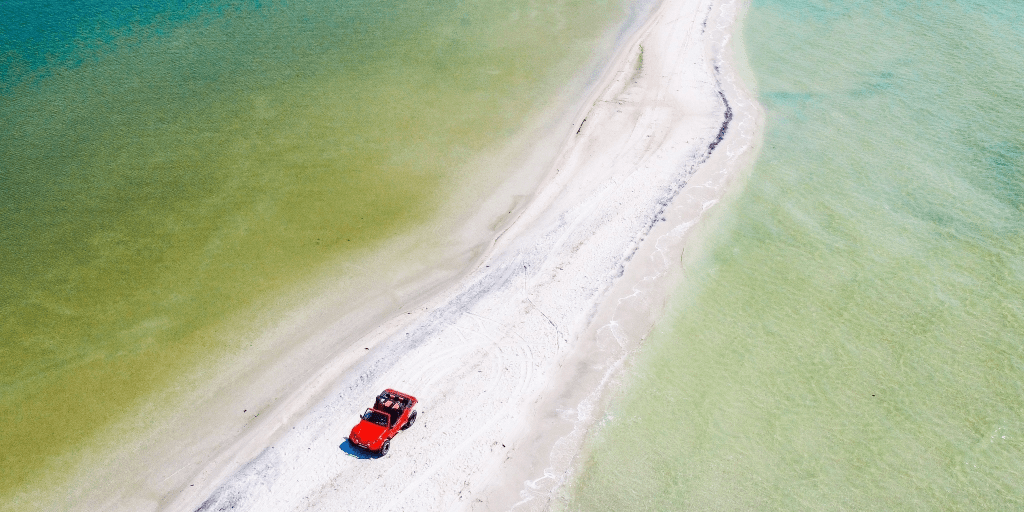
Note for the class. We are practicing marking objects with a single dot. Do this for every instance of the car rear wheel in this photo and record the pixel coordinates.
(412, 419)
(384, 448)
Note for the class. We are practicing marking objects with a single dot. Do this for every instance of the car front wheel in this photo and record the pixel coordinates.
(384, 448)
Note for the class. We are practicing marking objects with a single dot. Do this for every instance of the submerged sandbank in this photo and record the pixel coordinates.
(548, 313)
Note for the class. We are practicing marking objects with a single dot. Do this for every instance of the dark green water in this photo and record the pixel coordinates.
(852, 335)
(169, 166)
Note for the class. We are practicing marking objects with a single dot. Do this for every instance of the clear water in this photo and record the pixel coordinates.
(852, 335)
(167, 165)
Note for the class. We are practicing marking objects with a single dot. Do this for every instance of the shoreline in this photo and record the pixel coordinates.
(541, 294)
(600, 366)
(282, 367)
(516, 308)
(157, 459)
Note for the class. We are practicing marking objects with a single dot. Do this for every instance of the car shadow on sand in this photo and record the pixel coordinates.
(354, 451)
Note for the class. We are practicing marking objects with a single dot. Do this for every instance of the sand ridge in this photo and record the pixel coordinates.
(654, 150)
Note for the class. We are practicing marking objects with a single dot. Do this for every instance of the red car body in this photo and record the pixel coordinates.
(392, 412)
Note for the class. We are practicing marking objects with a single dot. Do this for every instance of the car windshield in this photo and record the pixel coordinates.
(376, 417)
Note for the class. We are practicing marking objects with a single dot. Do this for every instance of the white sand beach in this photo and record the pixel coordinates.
(511, 360)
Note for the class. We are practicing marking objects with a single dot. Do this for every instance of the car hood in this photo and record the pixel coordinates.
(366, 432)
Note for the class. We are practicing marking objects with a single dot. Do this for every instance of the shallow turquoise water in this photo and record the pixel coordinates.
(852, 335)
(168, 165)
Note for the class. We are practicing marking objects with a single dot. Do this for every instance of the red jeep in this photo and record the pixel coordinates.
(391, 412)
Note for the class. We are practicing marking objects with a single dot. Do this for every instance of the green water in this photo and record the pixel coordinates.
(851, 336)
(162, 173)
